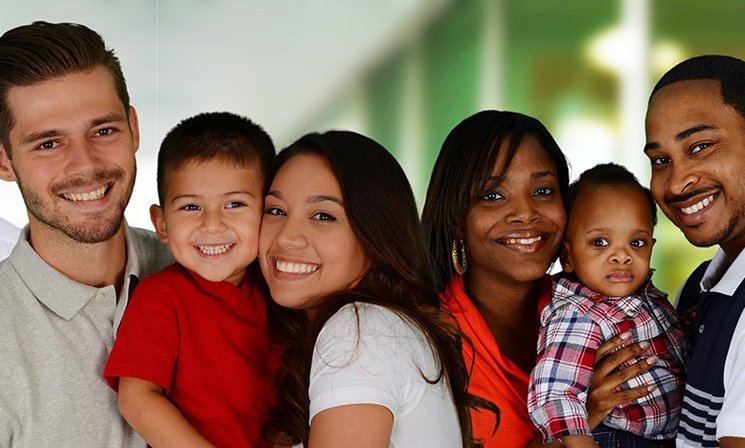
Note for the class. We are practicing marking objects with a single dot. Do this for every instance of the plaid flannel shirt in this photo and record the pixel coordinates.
(573, 325)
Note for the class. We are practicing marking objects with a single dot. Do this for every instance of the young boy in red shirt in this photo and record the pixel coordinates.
(193, 362)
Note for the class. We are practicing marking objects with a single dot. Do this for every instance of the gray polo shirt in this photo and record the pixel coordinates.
(55, 337)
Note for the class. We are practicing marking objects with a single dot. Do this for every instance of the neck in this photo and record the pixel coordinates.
(503, 298)
(98, 265)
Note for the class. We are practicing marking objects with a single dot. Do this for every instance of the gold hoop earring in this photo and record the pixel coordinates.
(460, 262)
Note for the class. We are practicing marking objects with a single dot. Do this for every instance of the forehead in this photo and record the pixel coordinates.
(529, 157)
(686, 101)
(60, 102)
(611, 206)
(213, 175)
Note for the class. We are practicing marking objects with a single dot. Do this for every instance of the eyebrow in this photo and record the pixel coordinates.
(50, 133)
(310, 199)
(680, 136)
(535, 175)
(229, 193)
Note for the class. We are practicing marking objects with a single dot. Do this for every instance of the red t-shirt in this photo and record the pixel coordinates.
(207, 344)
(494, 376)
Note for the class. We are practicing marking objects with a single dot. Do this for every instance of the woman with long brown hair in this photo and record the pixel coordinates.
(369, 360)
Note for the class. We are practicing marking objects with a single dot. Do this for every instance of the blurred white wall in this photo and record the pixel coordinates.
(279, 62)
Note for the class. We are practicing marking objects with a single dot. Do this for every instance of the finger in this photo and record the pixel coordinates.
(621, 376)
(613, 343)
(617, 358)
(633, 394)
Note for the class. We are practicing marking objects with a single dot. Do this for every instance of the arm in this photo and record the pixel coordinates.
(602, 395)
(353, 426)
(154, 417)
(732, 442)
(559, 381)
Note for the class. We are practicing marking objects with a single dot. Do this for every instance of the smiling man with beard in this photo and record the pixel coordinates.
(696, 144)
(68, 138)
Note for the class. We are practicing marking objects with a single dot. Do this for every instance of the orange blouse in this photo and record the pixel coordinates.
(493, 376)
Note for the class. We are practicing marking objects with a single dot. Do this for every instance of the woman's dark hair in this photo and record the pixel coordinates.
(382, 212)
(462, 169)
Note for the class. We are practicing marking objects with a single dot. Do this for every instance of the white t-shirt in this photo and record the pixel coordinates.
(369, 354)
(8, 237)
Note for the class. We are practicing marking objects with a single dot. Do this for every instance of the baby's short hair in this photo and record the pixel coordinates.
(608, 175)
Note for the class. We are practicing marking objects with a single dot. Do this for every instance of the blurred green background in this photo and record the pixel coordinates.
(404, 72)
(584, 68)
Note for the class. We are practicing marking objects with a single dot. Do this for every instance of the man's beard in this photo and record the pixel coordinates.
(98, 228)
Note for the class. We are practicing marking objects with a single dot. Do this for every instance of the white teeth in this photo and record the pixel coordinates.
(88, 196)
(522, 240)
(295, 268)
(697, 206)
(214, 250)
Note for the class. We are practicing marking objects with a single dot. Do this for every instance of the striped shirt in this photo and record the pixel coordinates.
(714, 399)
(573, 325)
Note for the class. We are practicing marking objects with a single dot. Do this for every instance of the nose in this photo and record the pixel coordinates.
(620, 255)
(682, 178)
(291, 234)
(212, 220)
(82, 158)
(522, 211)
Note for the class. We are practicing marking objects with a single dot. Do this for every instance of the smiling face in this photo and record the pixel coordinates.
(211, 217)
(72, 150)
(307, 246)
(609, 239)
(696, 144)
(515, 226)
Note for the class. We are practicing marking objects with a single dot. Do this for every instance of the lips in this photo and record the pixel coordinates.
(620, 277)
(214, 249)
(92, 195)
(524, 243)
(292, 267)
(698, 206)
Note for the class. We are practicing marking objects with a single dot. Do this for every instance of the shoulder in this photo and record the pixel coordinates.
(370, 320)
(570, 298)
(151, 254)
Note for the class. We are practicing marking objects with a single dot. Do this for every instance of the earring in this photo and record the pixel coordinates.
(460, 262)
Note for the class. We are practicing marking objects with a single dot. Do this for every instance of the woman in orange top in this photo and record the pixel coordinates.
(493, 221)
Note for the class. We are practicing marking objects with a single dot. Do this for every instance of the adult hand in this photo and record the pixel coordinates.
(607, 375)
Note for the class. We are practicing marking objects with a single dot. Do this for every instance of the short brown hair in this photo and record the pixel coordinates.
(33, 53)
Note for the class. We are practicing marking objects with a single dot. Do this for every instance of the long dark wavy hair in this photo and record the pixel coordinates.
(462, 169)
(382, 212)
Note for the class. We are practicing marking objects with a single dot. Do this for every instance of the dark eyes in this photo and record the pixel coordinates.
(234, 204)
(103, 132)
(276, 211)
(603, 242)
(190, 207)
(494, 196)
(599, 242)
(323, 216)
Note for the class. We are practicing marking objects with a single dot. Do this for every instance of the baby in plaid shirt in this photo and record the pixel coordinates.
(606, 290)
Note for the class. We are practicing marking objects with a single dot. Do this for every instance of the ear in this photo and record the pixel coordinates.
(134, 127)
(566, 258)
(6, 168)
(158, 217)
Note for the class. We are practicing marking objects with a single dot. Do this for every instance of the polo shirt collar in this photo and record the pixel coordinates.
(62, 295)
(721, 278)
